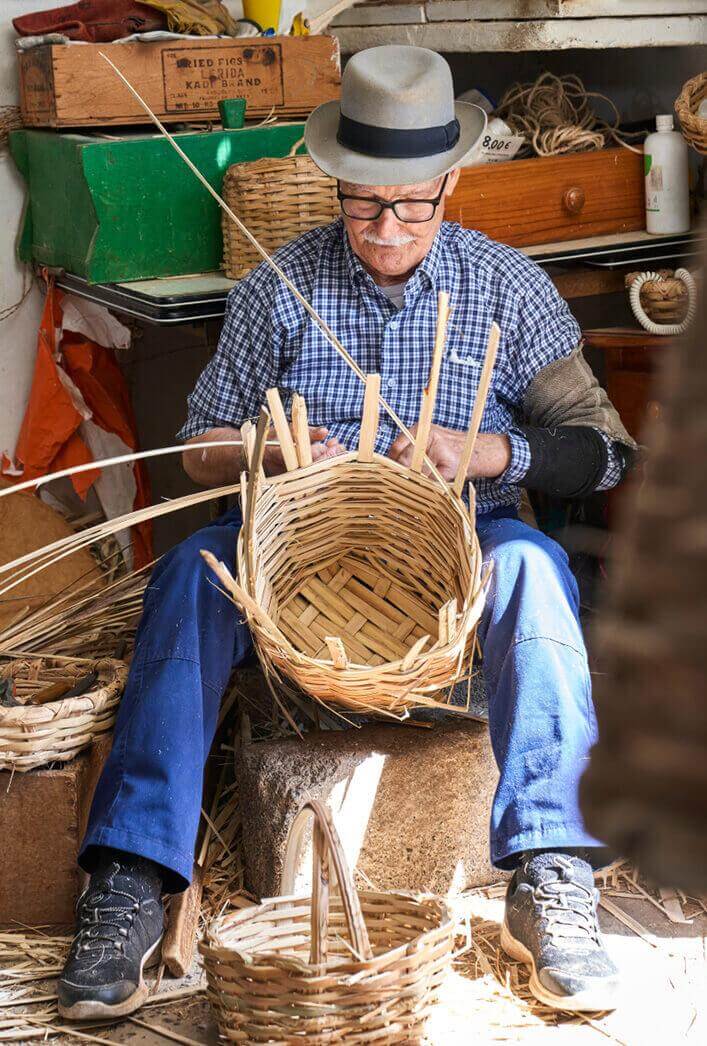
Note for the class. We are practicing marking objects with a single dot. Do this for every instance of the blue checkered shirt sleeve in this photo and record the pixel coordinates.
(232, 386)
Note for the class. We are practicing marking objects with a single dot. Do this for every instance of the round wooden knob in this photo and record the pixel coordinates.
(573, 200)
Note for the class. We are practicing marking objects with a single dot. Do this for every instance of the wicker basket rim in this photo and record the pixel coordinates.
(212, 944)
(92, 701)
(266, 163)
(469, 612)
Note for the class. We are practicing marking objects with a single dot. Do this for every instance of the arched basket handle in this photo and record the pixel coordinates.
(326, 849)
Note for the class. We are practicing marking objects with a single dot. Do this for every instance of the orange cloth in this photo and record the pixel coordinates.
(50, 439)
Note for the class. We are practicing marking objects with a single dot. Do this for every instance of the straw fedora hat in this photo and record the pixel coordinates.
(397, 122)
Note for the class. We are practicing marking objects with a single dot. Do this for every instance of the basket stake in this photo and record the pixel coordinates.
(300, 425)
(369, 424)
(429, 395)
(479, 404)
(254, 480)
(282, 428)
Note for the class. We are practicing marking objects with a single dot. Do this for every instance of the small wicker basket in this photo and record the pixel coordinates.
(278, 199)
(282, 971)
(360, 578)
(694, 127)
(663, 302)
(33, 735)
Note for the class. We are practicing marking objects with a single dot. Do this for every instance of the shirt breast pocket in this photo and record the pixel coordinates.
(458, 382)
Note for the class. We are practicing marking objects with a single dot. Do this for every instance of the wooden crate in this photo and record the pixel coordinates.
(551, 198)
(72, 86)
(43, 816)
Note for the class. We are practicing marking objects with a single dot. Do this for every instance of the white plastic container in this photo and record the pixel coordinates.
(667, 179)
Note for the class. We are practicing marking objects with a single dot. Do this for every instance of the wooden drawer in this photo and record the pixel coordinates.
(546, 199)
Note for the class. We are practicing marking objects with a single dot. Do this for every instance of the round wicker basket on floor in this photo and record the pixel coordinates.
(694, 127)
(278, 199)
(36, 735)
(359, 968)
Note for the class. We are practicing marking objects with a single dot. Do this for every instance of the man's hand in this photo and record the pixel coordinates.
(491, 457)
(274, 463)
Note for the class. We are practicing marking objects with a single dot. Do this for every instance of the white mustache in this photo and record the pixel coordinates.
(402, 240)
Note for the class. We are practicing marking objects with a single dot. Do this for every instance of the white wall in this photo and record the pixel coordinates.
(18, 334)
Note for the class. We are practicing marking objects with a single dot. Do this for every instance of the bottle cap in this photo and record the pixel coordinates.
(664, 123)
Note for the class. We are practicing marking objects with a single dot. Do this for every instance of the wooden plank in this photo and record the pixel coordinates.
(528, 202)
(559, 34)
(586, 283)
(381, 14)
(512, 10)
(182, 926)
(72, 86)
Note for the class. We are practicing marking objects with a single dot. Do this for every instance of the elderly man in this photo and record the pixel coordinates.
(395, 145)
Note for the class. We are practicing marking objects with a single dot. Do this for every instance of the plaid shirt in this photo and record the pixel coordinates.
(269, 340)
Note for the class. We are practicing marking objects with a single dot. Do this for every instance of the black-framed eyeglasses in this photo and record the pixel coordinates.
(368, 208)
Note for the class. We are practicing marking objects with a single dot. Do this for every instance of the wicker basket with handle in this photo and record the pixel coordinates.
(356, 968)
(694, 127)
(33, 734)
(360, 578)
(278, 199)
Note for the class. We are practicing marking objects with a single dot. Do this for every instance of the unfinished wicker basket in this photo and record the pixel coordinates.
(694, 127)
(283, 971)
(360, 578)
(278, 199)
(33, 735)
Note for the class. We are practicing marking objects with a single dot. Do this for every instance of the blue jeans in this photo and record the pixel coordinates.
(541, 716)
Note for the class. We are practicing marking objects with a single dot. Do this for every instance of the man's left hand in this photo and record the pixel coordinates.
(491, 457)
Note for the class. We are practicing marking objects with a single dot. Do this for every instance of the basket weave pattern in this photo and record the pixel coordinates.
(35, 735)
(284, 970)
(665, 300)
(278, 199)
(694, 127)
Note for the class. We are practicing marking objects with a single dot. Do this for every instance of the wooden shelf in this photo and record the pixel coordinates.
(523, 25)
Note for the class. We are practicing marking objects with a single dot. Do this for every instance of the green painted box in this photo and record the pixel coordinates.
(127, 207)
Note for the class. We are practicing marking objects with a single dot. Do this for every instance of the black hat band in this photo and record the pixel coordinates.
(394, 143)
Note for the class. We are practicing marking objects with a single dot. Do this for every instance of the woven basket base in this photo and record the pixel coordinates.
(336, 601)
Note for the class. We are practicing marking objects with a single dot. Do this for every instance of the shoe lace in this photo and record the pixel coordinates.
(105, 925)
(568, 906)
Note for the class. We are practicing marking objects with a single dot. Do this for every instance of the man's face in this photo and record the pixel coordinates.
(391, 249)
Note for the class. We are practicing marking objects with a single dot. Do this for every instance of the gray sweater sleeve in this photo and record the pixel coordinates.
(566, 392)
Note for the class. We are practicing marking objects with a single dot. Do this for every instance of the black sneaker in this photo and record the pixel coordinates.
(551, 925)
(120, 919)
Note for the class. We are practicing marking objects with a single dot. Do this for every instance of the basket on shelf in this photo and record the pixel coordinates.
(278, 199)
(360, 578)
(33, 735)
(694, 127)
(663, 302)
(360, 967)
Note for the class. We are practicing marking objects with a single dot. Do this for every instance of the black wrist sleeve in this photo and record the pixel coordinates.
(568, 461)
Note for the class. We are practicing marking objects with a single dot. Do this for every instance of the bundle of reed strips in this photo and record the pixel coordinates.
(43, 726)
(360, 578)
(359, 967)
(83, 622)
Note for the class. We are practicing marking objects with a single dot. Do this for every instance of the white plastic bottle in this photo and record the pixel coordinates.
(667, 179)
